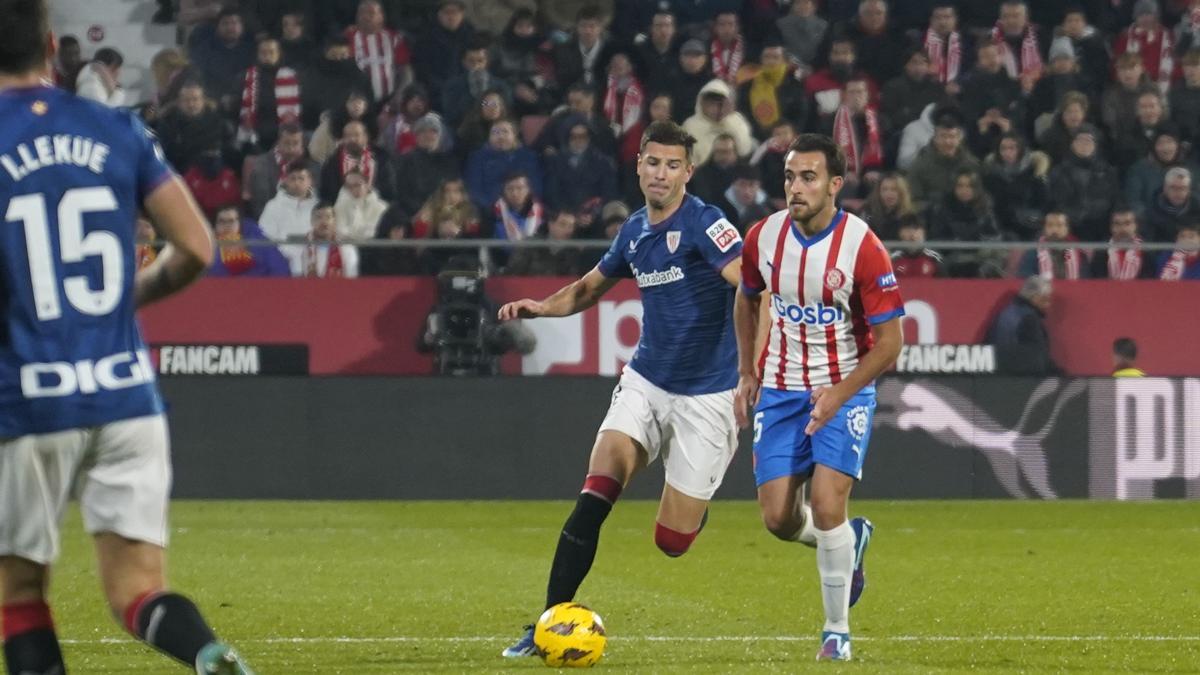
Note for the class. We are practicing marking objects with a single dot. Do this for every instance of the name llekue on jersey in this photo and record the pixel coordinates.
(59, 149)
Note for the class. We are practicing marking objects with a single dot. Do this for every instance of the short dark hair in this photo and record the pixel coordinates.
(514, 175)
(290, 127)
(109, 57)
(228, 206)
(68, 40)
(1125, 348)
(835, 157)
(321, 206)
(229, 10)
(666, 132)
(23, 34)
(589, 12)
(298, 165)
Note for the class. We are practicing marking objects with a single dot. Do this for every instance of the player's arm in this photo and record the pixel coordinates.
(189, 248)
(732, 273)
(570, 299)
(745, 326)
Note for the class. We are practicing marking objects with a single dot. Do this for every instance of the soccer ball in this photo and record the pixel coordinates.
(570, 635)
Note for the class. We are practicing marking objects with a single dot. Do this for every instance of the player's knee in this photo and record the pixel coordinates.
(828, 513)
(673, 542)
(780, 524)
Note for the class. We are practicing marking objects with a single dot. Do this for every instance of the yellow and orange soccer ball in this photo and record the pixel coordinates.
(569, 635)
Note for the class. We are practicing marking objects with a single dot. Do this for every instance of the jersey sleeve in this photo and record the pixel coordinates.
(720, 244)
(153, 169)
(752, 279)
(613, 265)
(876, 283)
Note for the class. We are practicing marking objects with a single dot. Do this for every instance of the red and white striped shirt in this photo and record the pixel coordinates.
(379, 55)
(826, 292)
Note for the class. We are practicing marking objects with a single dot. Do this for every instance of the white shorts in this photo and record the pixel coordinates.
(697, 435)
(121, 473)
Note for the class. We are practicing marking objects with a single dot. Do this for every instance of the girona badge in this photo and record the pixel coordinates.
(835, 279)
(673, 240)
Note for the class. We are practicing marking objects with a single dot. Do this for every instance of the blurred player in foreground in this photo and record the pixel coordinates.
(675, 398)
(79, 408)
(835, 313)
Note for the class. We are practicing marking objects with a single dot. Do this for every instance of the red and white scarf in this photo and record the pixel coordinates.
(1177, 265)
(630, 111)
(1125, 263)
(1141, 41)
(333, 262)
(1071, 260)
(858, 158)
(516, 226)
(1031, 58)
(947, 60)
(364, 164)
(726, 61)
(287, 99)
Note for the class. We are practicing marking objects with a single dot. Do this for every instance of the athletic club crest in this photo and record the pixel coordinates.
(673, 240)
(835, 279)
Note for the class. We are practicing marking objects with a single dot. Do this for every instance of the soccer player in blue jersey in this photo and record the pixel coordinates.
(675, 398)
(79, 408)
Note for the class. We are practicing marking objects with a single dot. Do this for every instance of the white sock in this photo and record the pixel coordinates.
(835, 563)
(807, 534)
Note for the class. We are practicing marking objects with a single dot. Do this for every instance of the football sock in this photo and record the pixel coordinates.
(673, 542)
(30, 645)
(170, 623)
(835, 563)
(807, 534)
(579, 538)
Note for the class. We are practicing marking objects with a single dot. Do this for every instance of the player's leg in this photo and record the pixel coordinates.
(782, 463)
(784, 512)
(30, 642)
(124, 492)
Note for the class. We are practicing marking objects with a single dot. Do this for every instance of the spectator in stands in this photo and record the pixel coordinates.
(439, 48)
(1184, 262)
(965, 214)
(912, 259)
(916, 135)
(579, 173)
(1125, 353)
(906, 95)
(684, 85)
(449, 224)
(881, 50)
(1016, 178)
(1175, 206)
(265, 172)
(711, 180)
(1085, 187)
(584, 57)
(1048, 263)
(1137, 140)
(503, 154)
(624, 100)
(358, 207)
(949, 49)
(477, 125)
(857, 128)
(991, 100)
(67, 62)
(889, 208)
(1062, 77)
(772, 93)
(1144, 179)
(426, 167)
(1019, 332)
(657, 57)
(170, 71)
(581, 100)
(451, 195)
(1123, 260)
(744, 202)
(1090, 47)
(355, 152)
(803, 31)
(392, 260)
(1185, 98)
(934, 170)
(191, 128)
(627, 180)
(715, 115)
(769, 159)
(1020, 46)
(222, 53)
(212, 182)
(331, 78)
(826, 85)
(322, 254)
(287, 216)
(460, 94)
(357, 108)
(1118, 104)
(1072, 112)
(727, 48)
(1151, 41)
(299, 48)
(396, 121)
(270, 97)
(1187, 31)
(98, 79)
(523, 57)
(517, 214)
(234, 258)
(382, 53)
(554, 261)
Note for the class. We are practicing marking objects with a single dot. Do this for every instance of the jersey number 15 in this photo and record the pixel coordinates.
(73, 246)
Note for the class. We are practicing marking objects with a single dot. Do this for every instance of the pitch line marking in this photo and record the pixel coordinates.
(668, 638)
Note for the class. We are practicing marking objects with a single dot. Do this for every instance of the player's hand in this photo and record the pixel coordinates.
(745, 398)
(521, 309)
(826, 402)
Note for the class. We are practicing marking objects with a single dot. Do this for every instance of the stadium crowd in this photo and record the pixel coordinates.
(310, 122)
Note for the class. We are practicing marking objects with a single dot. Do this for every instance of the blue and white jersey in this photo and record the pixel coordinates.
(73, 175)
(687, 344)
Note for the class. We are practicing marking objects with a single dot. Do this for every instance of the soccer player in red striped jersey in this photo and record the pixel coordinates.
(835, 311)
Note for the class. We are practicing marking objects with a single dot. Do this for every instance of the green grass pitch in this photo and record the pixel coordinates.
(442, 586)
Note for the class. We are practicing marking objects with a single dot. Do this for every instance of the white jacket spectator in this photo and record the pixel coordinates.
(916, 135)
(289, 213)
(358, 208)
(98, 79)
(716, 115)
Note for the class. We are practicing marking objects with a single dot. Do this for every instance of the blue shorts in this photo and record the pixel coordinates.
(781, 448)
